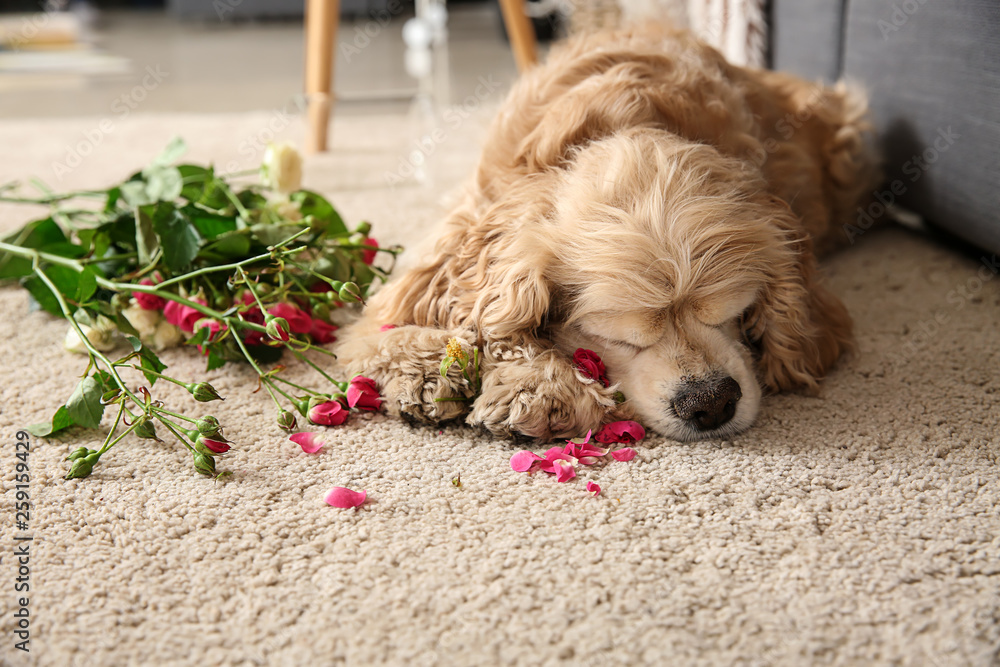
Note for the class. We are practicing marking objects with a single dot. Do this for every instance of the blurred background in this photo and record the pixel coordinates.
(74, 58)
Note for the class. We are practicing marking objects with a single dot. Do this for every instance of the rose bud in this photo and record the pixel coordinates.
(329, 413)
(363, 228)
(147, 430)
(204, 463)
(349, 292)
(277, 328)
(203, 392)
(78, 454)
(287, 421)
(281, 168)
(216, 445)
(208, 426)
(363, 394)
(83, 467)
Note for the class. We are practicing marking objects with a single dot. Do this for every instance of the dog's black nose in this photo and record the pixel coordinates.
(708, 404)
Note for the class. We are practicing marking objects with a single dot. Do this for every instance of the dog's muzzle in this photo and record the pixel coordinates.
(707, 404)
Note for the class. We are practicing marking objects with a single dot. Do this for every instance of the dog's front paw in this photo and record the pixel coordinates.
(539, 396)
(406, 365)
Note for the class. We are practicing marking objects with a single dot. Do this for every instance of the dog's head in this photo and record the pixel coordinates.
(672, 262)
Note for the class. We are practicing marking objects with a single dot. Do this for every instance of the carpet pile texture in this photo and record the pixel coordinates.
(857, 527)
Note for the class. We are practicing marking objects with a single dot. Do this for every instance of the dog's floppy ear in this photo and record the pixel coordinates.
(595, 108)
(800, 327)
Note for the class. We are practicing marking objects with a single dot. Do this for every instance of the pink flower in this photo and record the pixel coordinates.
(330, 413)
(298, 320)
(322, 332)
(254, 316)
(552, 458)
(181, 316)
(339, 496)
(148, 301)
(387, 327)
(625, 432)
(590, 365)
(623, 454)
(585, 452)
(363, 394)
(368, 256)
(309, 442)
(594, 488)
(563, 470)
(523, 461)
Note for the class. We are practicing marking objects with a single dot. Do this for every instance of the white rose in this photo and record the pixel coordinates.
(103, 336)
(144, 321)
(281, 168)
(167, 335)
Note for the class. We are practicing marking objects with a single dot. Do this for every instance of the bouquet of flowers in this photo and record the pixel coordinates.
(178, 254)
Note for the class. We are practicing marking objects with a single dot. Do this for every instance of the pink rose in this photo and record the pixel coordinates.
(590, 365)
(363, 394)
(626, 432)
(148, 301)
(368, 256)
(181, 316)
(330, 413)
(322, 332)
(298, 320)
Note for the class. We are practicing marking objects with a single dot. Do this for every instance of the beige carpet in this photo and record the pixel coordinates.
(860, 527)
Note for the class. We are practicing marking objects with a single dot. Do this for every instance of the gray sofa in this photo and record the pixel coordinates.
(932, 70)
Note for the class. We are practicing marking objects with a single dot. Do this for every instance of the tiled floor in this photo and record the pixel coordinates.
(202, 67)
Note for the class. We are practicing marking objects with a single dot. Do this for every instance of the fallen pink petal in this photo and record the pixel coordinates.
(594, 487)
(564, 470)
(309, 442)
(623, 454)
(552, 456)
(522, 461)
(387, 327)
(342, 497)
(625, 432)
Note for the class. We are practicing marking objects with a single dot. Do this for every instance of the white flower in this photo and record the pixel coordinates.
(167, 335)
(103, 336)
(281, 169)
(143, 320)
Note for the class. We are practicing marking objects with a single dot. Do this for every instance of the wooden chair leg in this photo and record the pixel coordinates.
(521, 33)
(322, 21)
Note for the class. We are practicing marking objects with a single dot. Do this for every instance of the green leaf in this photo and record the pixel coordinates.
(173, 152)
(64, 278)
(84, 406)
(271, 234)
(209, 225)
(214, 361)
(146, 240)
(311, 203)
(86, 285)
(60, 420)
(126, 327)
(199, 337)
(163, 183)
(114, 194)
(179, 239)
(446, 364)
(134, 193)
(149, 361)
(230, 246)
(37, 235)
(134, 342)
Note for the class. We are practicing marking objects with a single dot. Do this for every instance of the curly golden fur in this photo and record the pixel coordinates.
(640, 197)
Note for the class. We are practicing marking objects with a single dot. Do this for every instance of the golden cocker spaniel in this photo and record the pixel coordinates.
(640, 197)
